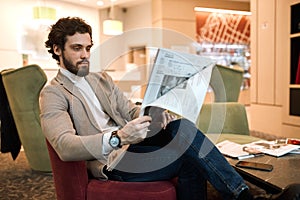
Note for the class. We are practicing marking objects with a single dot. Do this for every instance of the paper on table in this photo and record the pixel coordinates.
(272, 148)
(238, 151)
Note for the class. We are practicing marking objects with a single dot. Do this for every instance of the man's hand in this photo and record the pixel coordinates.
(167, 118)
(135, 131)
(160, 118)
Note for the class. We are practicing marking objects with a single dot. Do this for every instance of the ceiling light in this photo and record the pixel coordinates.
(112, 26)
(214, 10)
(100, 3)
(42, 12)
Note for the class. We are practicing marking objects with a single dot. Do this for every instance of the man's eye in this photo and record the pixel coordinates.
(77, 48)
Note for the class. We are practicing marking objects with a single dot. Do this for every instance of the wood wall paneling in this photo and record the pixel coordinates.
(266, 51)
(253, 47)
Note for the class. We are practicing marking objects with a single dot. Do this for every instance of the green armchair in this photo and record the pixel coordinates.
(22, 86)
(226, 83)
(225, 114)
(223, 117)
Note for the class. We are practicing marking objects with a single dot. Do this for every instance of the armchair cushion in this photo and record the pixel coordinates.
(226, 117)
(114, 190)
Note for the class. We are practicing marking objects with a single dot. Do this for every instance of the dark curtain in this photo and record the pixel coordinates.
(10, 141)
(298, 72)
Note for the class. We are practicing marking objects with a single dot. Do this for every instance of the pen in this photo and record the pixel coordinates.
(249, 156)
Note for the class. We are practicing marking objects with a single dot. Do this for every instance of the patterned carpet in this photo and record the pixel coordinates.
(19, 182)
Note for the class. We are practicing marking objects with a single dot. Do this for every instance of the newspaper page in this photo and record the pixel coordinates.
(273, 148)
(254, 149)
(178, 83)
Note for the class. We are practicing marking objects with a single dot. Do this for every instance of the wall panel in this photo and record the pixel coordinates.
(266, 52)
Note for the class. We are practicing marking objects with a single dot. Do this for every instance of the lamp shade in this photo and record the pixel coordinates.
(41, 12)
(112, 27)
(33, 33)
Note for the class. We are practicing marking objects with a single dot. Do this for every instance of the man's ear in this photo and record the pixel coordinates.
(57, 50)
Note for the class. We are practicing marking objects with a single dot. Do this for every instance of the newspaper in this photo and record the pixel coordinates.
(178, 83)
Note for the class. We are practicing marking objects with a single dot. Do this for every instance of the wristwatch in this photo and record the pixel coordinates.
(115, 140)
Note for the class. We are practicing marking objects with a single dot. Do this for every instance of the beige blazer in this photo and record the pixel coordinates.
(69, 125)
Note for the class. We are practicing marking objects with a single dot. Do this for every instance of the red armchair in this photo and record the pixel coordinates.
(71, 182)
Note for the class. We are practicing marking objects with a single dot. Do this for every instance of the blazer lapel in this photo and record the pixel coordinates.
(100, 94)
(103, 99)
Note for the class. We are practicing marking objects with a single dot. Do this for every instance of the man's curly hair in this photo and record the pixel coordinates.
(61, 29)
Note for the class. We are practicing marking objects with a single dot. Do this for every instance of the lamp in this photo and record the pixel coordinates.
(112, 26)
(42, 12)
(33, 33)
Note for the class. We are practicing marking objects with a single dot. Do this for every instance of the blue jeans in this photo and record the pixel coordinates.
(182, 151)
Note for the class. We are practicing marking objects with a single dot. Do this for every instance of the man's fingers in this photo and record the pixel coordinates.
(143, 125)
(142, 120)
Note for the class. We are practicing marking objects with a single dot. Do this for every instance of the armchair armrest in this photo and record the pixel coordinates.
(74, 174)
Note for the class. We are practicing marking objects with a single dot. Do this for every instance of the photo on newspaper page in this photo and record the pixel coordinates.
(178, 83)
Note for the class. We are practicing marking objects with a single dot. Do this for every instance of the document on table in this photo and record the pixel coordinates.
(237, 151)
(272, 148)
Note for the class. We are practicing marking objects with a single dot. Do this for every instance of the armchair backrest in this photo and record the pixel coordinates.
(23, 86)
(226, 83)
(227, 117)
(70, 178)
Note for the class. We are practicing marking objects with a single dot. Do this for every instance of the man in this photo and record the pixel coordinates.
(86, 117)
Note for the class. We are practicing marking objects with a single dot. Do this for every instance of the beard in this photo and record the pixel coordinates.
(78, 70)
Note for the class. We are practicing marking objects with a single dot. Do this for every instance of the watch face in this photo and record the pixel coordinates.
(114, 141)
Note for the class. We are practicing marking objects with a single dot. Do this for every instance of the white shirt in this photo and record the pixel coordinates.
(94, 104)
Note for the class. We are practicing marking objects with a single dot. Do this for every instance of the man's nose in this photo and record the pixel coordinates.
(85, 54)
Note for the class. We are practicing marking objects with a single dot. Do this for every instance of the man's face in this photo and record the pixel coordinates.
(75, 57)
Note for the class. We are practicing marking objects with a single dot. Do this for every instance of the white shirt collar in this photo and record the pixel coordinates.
(74, 78)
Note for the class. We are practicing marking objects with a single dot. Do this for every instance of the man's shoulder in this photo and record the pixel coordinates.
(53, 87)
(50, 89)
(100, 76)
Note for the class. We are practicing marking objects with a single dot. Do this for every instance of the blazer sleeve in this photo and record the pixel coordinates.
(57, 126)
